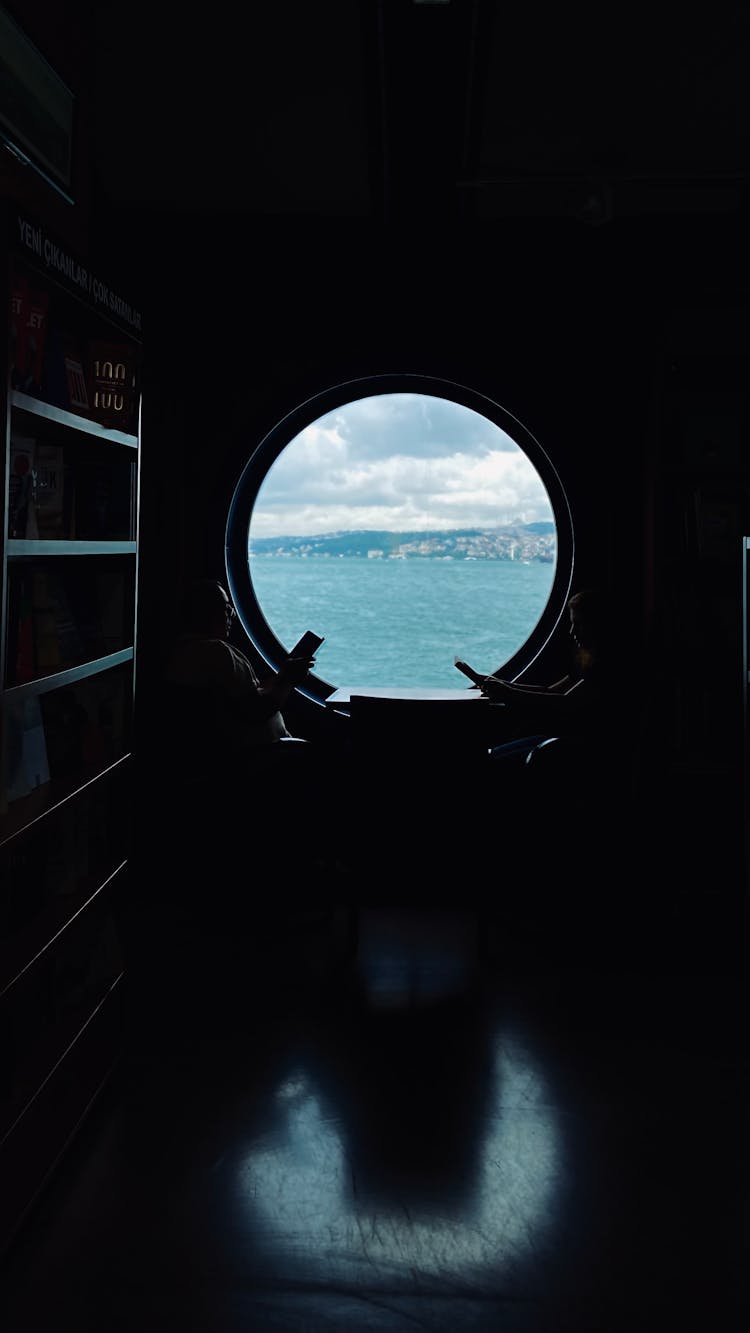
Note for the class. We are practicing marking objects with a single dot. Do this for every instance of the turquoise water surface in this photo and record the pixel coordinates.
(401, 622)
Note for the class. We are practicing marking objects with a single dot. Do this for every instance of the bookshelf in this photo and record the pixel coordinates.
(71, 406)
(702, 500)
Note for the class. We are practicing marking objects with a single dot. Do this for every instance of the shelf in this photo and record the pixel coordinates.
(32, 943)
(34, 824)
(43, 684)
(67, 648)
(38, 1137)
(20, 546)
(50, 1001)
(53, 1050)
(36, 407)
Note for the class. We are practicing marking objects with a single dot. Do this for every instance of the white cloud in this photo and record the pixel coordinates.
(399, 461)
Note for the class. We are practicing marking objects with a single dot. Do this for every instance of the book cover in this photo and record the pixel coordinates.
(64, 375)
(111, 599)
(28, 765)
(65, 718)
(46, 643)
(49, 491)
(19, 300)
(82, 617)
(78, 398)
(24, 666)
(29, 314)
(69, 638)
(111, 375)
(85, 727)
(69, 501)
(93, 501)
(22, 487)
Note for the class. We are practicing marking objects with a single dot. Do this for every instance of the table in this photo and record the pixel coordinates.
(341, 697)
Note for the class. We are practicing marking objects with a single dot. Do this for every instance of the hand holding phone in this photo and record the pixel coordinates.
(474, 676)
(308, 645)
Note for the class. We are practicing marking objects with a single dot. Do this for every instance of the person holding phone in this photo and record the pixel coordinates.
(240, 768)
(572, 704)
(234, 715)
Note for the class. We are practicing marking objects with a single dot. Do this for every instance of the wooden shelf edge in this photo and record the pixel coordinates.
(24, 402)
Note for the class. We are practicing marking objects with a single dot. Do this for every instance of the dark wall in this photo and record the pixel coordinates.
(623, 347)
(568, 329)
(238, 335)
(600, 340)
(63, 34)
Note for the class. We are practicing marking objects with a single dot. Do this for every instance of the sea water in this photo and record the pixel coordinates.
(392, 622)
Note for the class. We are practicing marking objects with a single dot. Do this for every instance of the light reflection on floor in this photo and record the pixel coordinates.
(302, 1189)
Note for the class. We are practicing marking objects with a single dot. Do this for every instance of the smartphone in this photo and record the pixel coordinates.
(468, 671)
(308, 645)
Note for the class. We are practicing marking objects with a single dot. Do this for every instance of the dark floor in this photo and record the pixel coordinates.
(413, 1142)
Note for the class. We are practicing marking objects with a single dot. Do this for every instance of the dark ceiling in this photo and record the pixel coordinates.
(418, 110)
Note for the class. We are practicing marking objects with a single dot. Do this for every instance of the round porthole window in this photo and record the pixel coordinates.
(409, 521)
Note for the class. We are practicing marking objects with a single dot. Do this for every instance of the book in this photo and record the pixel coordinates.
(69, 638)
(93, 492)
(22, 487)
(82, 615)
(78, 398)
(64, 720)
(46, 643)
(29, 310)
(85, 726)
(75, 374)
(28, 765)
(64, 375)
(49, 490)
(23, 663)
(110, 589)
(111, 375)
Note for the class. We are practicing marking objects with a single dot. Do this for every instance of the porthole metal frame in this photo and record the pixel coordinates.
(239, 578)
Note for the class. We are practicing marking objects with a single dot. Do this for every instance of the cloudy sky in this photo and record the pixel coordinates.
(399, 462)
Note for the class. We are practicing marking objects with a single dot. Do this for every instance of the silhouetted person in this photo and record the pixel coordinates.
(575, 706)
(233, 718)
(560, 747)
(563, 777)
(231, 746)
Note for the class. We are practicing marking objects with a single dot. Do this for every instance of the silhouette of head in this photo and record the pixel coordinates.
(586, 625)
(207, 609)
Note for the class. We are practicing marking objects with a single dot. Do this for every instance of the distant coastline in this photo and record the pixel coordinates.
(525, 542)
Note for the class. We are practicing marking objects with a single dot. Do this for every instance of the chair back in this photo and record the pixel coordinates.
(415, 767)
(401, 738)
